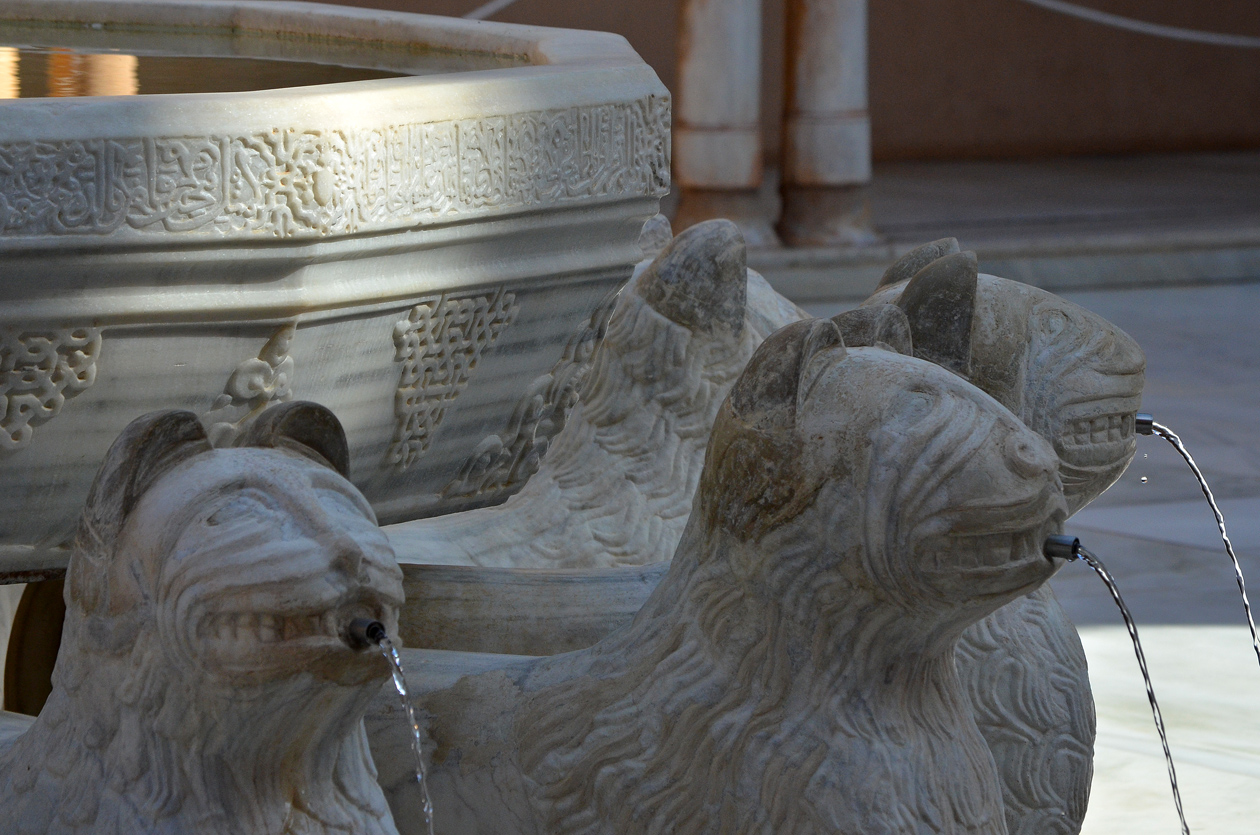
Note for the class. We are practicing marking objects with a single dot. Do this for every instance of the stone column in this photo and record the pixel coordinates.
(827, 132)
(717, 116)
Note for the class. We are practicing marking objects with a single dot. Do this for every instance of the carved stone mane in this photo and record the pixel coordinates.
(794, 670)
(616, 484)
(203, 684)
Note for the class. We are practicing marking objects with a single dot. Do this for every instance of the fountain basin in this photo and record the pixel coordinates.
(411, 251)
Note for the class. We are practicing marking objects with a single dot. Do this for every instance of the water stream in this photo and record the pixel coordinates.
(388, 650)
(1170, 436)
(1104, 575)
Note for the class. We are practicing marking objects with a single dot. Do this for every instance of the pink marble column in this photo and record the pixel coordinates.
(717, 116)
(827, 131)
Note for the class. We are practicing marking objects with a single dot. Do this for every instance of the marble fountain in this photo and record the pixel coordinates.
(410, 243)
(681, 558)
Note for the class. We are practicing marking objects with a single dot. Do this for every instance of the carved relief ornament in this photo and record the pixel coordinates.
(439, 345)
(254, 385)
(298, 183)
(39, 371)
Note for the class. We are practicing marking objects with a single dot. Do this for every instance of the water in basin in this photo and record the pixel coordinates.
(39, 62)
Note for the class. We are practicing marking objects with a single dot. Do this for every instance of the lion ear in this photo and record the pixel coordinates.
(305, 428)
(782, 371)
(823, 345)
(700, 278)
(147, 448)
(885, 325)
(916, 259)
(939, 303)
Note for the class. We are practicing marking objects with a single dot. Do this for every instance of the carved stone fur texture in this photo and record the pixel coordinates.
(794, 672)
(1076, 380)
(203, 684)
(616, 483)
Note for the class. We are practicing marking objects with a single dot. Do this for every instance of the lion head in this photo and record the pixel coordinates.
(205, 680)
(1069, 374)
(938, 492)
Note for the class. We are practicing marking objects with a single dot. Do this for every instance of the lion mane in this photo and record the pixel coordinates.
(793, 672)
(616, 483)
(156, 723)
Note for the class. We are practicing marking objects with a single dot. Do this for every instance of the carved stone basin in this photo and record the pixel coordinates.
(411, 249)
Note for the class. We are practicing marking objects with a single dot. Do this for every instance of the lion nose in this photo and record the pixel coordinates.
(1029, 456)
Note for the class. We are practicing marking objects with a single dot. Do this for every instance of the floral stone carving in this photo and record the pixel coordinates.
(497, 156)
(39, 371)
(507, 460)
(794, 671)
(254, 385)
(204, 683)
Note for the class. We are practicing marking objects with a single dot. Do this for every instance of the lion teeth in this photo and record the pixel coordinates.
(267, 629)
(991, 551)
(1098, 430)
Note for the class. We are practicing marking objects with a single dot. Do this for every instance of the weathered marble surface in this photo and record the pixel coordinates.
(794, 671)
(520, 611)
(204, 682)
(1057, 366)
(1076, 380)
(615, 485)
(409, 251)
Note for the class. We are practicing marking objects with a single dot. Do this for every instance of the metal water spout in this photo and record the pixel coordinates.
(363, 633)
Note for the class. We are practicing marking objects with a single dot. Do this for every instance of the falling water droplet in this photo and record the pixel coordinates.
(1144, 479)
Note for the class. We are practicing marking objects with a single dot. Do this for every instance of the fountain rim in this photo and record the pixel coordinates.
(584, 79)
(398, 33)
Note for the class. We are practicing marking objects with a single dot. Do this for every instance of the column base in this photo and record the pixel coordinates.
(746, 208)
(834, 216)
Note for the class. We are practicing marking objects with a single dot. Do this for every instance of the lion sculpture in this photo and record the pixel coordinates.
(616, 483)
(205, 684)
(794, 672)
(1076, 380)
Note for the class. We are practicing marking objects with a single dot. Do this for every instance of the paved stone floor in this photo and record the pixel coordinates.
(1159, 539)
(987, 201)
(1064, 224)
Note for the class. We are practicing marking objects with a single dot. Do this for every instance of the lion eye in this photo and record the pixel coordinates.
(239, 507)
(1052, 322)
(910, 407)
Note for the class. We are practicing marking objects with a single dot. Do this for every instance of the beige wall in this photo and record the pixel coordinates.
(1001, 78)
(995, 78)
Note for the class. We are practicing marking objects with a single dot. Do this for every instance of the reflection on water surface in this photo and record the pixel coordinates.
(37, 72)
